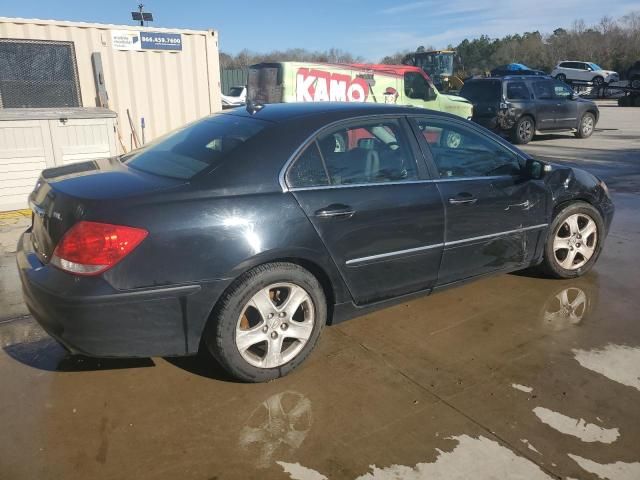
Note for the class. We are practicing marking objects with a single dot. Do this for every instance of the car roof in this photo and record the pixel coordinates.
(280, 112)
(511, 77)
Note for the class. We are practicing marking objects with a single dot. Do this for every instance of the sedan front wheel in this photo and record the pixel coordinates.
(268, 322)
(574, 241)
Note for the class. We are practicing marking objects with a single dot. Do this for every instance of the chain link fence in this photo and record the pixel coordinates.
(38, 74)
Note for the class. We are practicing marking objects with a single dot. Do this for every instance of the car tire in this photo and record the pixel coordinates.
(586, 126)
(253, 305)
(562, 77)
(524, 130)
(569, 252)
(597, 81)
(635, 82)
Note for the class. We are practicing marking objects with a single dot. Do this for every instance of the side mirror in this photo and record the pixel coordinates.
(535, 169)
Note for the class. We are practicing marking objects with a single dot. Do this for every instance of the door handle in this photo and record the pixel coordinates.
(462, 201)
(335, 211)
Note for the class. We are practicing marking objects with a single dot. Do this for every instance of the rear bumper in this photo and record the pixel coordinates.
(487, 122)
(88, 316)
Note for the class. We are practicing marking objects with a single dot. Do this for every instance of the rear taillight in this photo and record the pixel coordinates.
(90, 248)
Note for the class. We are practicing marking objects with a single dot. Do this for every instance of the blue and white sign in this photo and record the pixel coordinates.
(161, 41)
(132, 40)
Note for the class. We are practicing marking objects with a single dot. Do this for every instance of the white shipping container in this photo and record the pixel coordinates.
(172, 80)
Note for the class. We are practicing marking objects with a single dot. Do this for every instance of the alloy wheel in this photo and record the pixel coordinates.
(275, 325)
(525, 130)
(575, 241)
(587, 125)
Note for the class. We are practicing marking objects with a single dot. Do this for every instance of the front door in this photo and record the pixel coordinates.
(495, 216)
(381, 220)
(545, 104)
(566, 107)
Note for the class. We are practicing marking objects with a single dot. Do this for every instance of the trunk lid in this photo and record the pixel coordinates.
(64, 195)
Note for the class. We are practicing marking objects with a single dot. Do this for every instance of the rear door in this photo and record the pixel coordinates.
(369, 200)
(495, 217)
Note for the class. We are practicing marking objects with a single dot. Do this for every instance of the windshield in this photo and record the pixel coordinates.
(235, 91)
(190, 150)
(595, 66)
(482, 91)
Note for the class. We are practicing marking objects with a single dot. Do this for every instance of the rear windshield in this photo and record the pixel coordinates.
(482, 91)
(195, 147)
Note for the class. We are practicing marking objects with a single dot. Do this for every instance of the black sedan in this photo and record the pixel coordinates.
(246, 232)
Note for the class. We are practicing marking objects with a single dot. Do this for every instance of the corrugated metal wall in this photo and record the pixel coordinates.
(233, 77)
(167, 88)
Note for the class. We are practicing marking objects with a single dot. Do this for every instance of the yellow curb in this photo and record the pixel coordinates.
(15, 214)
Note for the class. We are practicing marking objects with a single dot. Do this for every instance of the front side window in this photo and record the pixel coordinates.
(594, 66)
(562, 90)
(543, 90)
(361, 153)
(517, 91)
(460, 152)
(417, 87)
(194, 148)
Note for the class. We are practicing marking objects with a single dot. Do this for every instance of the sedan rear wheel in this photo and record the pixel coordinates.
(268, 322)
(275, 325)
(574, 242)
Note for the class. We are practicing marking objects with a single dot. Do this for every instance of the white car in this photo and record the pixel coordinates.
(237, 96)
(584, 72)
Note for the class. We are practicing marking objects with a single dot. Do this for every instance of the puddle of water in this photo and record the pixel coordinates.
(587, 432)
(522, 388)
(477, 458)
(609, 471)
(529, 446)
(619, 363)
(298, 472)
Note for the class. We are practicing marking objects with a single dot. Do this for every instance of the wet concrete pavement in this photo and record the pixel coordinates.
(509, 377)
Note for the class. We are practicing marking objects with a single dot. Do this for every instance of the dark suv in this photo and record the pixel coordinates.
(521, 106)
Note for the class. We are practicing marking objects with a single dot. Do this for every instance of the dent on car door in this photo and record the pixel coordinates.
(364, 192)
(495, 216)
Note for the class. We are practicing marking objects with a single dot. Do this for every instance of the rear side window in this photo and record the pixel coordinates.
(308, 170)
(482, 91)
(543, 90)
(194, 148)
(360, 153)
(518, 91)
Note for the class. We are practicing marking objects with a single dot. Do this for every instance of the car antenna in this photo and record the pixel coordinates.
(254, 107)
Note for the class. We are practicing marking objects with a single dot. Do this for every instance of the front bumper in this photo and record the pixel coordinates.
(88, 316)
